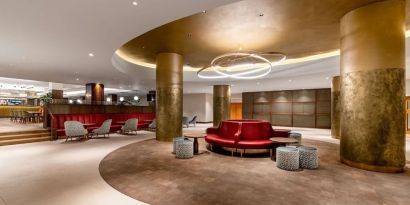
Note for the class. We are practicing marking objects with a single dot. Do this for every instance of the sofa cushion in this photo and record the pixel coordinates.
(229, 130)
(254, 144)
(215, 139)
(256, 131)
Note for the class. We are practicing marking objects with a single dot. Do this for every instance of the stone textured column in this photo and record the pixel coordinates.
(372, 87)
(169, 96)
(335, 108)
(222, 103)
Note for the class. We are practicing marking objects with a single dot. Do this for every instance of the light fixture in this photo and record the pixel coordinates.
(290, 81)
(108, 99)
(135, 3)
(79, 101)
(77, 79)
(121, 99)
(136, 98)
(327, 78)
(241, 65)
(70, 101)
(91, 54)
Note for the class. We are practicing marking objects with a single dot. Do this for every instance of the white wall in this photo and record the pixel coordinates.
(200, 105)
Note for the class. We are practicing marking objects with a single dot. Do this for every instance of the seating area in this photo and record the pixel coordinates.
(205, 102)
(244, 134)
(94, 121)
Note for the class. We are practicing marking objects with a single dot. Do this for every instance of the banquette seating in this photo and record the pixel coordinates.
(57, 121)
(243, 134)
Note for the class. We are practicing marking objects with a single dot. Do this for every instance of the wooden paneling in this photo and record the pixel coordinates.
(236, 111)
(298, 108)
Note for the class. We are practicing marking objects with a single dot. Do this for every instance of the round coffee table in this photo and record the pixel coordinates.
(195, 136)
(278, 141)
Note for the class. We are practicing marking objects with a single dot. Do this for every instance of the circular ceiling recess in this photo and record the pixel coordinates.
(291, 27)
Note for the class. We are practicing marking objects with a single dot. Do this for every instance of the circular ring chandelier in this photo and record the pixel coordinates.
(241, 65)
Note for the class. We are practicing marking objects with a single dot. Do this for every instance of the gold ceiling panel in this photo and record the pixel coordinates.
(297, 28)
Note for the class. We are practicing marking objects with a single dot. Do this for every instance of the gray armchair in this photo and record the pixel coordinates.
(104, 129)
(185, 121)
(130, 126)
(74, 129)
(193, 121)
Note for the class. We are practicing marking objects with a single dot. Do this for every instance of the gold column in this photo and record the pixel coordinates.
(169, 96)
(222, 103)
(335, 108)
(372, 87)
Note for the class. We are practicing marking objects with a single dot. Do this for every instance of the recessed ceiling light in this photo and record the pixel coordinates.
(91, 54)
(290, 80)
(204, 11)
(327, 78)
(258, 83)
(135, 3)
(77, 79)
(261, 14)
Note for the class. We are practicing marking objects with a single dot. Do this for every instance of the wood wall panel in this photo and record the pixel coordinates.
(298, 108)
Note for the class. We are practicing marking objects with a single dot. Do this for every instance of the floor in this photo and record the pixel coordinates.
(68, 173)
(8, 126)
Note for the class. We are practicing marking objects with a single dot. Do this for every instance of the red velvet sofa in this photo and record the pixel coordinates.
(57, 120)
(243, 134)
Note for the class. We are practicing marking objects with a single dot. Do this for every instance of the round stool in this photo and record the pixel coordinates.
(308, 157)
(297, 136)
(184, 149)
(175, 142)
(287, 158)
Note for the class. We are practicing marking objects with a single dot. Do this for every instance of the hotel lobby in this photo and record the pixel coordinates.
(205, 102)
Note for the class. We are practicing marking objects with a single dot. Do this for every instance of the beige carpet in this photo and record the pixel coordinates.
(147, 171)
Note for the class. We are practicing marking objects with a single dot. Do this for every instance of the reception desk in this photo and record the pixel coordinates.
(5, 110)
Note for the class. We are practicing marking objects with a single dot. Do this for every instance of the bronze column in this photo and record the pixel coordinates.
(169, 96)
(222, 103)
(94, 93)
(335, 108)
(372, 87)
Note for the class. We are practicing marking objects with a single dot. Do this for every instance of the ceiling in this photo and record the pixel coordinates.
(51, 40)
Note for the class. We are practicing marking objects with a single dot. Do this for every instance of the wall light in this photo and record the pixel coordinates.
(108, 99)
(136, 98)
(121, 99)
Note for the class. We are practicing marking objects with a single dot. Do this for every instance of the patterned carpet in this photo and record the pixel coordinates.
(147, 171)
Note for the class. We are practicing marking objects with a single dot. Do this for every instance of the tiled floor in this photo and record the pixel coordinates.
(8, 126)
(67, 173)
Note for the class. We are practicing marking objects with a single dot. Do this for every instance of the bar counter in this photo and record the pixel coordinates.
(5, 109)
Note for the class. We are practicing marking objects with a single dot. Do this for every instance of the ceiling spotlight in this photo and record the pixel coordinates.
(108, 99)
(70, 101)
(290, 81)
(258, 83)
(204, 11)
(135, 3)
(121, 99)
(136, 98)
(327, 78)
(261, 14)
(91, 54)
(79, 101)
(77, 79)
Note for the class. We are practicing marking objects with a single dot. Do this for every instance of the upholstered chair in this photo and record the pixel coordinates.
(193, 121)
(104, 129)
(153, 125)
(185, 121)
(74, 129)
(130, 126)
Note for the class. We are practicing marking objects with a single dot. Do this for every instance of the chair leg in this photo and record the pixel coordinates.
(66, 139)
(241, 152)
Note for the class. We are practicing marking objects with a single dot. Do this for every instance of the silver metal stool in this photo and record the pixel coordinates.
(308, 157)
(287, 158)
(175, 141)
(297, 136)
(184, 149)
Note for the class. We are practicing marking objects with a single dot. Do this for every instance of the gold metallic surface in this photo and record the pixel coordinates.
(372, 132)
(335, 107)
(222, 103)
(362, 49)
(296, 28)
(169, 96)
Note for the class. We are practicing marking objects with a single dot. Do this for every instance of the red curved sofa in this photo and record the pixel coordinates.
(243, 134)
(57, 120)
